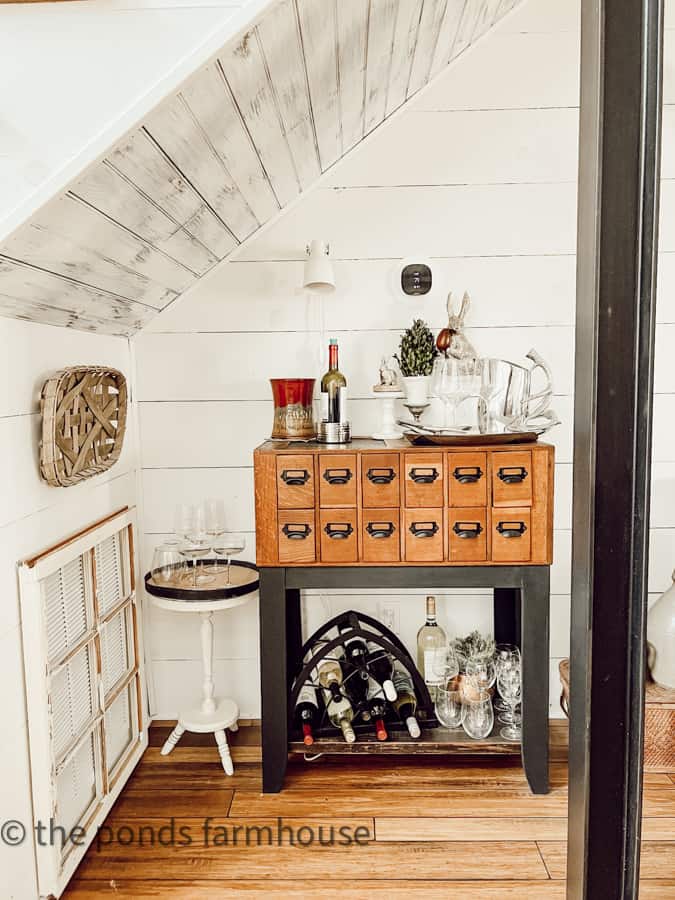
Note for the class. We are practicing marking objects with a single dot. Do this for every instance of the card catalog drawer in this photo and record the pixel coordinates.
(512, 478)
(337, 479)
(468, 534)
(381, 535)
(295, 481)
(380, 479)
(338, 536)
(423, 536)
(423, 479)
(297, 541)
(511, 535)
(467, 479)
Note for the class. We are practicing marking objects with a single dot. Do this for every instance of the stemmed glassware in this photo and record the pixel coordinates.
(509, 683)
(190, 528)
(453, 381)
(229, 544)
(506, 655)
(214, 520)
(480, 674)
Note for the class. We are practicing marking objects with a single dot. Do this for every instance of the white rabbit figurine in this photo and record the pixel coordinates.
(451, 340)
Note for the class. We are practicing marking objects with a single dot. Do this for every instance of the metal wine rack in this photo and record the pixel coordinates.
(352, 625)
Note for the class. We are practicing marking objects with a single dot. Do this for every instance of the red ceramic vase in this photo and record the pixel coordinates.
(293, 410)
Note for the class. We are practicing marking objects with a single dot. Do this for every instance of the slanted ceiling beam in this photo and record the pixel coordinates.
(242, 138)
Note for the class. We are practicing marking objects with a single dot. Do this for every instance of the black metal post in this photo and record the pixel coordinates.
(273, 678)
(617, 239)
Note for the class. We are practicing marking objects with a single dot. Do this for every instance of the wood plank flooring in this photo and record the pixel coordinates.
(348, 827)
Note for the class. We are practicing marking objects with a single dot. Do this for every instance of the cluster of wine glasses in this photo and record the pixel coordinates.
(200, 529)
(453, 381)
(466, 700)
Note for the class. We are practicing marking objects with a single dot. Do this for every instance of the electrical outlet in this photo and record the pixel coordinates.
(389, 615)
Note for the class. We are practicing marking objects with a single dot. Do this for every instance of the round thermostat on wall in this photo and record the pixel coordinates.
(413, 276)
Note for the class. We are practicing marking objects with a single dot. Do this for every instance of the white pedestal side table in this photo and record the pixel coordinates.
(213, 715)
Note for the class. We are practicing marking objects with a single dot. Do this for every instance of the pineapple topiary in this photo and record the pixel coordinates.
(416, 350)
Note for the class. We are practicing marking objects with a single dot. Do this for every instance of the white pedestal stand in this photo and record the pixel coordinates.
(388, 430)
(213, 715)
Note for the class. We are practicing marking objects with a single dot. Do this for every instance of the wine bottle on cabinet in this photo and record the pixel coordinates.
(406, 702)
(432, 647)
(377, 706)
(333, 388)
(307, 712)
(382, 669)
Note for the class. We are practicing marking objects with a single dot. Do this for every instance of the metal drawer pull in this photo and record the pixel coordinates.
(424, 529)
(512, 474)
(337, 476)
(424, 476)
(297, 532)
(295, 477)
(381, 476)
(467, 529)
(338, 530)
(468, 474)
(380, 529)
(511, 529)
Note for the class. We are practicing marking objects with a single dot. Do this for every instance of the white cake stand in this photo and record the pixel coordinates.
(213, 715)
(388, 430)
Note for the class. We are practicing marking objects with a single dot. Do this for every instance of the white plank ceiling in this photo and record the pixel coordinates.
(245, 135)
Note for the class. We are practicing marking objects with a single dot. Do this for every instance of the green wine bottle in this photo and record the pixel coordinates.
(333, 388)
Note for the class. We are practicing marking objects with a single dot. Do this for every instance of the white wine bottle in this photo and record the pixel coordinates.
(432, 648)
(341, 713)
(333, 388)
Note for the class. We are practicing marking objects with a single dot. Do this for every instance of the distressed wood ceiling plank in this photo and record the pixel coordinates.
(208, 96)
(176, 130)
(27, 292)
(279, 39)
(380, 46)
(318, 28)
(486, 18)
(467, 26)
(433, 13)
(106, 189)
(139, 159)
(405, 38)
(72, 239)
(447, 34)
(244, 69)
(352, 18)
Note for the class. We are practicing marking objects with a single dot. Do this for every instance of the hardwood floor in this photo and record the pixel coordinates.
(434, 827)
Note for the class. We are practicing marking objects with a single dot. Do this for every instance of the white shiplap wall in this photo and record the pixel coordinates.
(70, 70)
(478, 173)
(34, 516)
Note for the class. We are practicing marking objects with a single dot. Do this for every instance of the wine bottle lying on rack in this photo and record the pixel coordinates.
(330, 677)
(381, 668)
(307, 712)
(406, 702)
(356, 674)
(341, 714)
(377, 707)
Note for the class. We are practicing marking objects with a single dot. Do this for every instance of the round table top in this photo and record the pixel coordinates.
(178, 595)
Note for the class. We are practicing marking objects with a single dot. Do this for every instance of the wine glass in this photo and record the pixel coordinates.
(191, 521)
(445, 668)
(167, 563)
(448, 707)
(229, 544)
(214, 520)
(478, 717)
(453, 381)
(481, 674)
(509, 683)
(506, 655)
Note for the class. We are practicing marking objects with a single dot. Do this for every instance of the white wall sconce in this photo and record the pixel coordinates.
(319, 274)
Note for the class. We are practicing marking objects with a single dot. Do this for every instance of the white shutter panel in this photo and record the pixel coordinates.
(110, 581)
(116, 649)
(76, 787)
(120, 727)
(74, 700)
(67, 607)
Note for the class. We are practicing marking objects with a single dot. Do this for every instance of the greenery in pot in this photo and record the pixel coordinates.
(474, 646)
(416, 350)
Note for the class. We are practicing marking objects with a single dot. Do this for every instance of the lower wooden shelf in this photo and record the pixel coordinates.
(432, 740)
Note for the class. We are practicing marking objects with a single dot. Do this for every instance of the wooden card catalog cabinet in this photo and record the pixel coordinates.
(84, 687)
(394, 504)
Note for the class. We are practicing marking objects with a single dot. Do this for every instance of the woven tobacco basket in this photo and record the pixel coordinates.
(84, 417)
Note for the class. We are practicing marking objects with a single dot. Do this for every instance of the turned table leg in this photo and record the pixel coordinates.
(172, 740)
(208, 687)
(224, 750)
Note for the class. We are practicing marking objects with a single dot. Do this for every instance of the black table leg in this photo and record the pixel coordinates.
(535, 668)
(506, 606)
(273, 670)
(293, 633)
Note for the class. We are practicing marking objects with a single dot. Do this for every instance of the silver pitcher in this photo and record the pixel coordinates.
(508, 398)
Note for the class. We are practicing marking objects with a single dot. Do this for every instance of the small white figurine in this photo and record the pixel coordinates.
(452, 341)
(388, 377)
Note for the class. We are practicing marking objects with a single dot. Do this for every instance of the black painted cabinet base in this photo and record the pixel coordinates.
(521, 599)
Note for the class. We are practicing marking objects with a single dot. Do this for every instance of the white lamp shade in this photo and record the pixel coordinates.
(319, 275)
